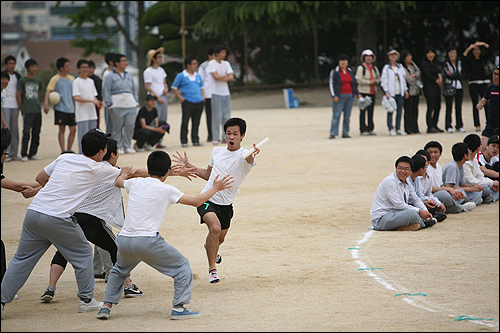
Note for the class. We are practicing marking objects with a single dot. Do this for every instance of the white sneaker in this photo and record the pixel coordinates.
(24, 159)
(392, 132)
(93, 305)
(148, 147)
(136, 147)
(450, 130)
(461, 130)
(34, 157)
(121, 151)
(468, 206)
(400, 132)
(8, 159)
(129, 151)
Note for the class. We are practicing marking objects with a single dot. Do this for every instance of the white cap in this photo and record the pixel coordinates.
(367, 52)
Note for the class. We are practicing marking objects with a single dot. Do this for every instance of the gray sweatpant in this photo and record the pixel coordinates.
(221, 112)
(397, 218)
(158, 254)
(39, 232)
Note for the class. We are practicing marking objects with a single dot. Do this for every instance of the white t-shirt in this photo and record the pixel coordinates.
(155, 77)
(84, 88)
(482, 161)
(72, 178)
(435, 175)
(220, 88)
(223, 162)
(148, 201)
(10, 101)
(207, 88)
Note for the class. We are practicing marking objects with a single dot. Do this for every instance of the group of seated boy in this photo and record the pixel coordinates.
(420, 193)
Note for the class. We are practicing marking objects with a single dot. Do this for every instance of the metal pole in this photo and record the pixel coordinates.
(316, 70)
(245, 55)
(183, 32)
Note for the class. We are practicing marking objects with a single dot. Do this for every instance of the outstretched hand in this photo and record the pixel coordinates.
(29, 191)
(223, 183)
(184, 171)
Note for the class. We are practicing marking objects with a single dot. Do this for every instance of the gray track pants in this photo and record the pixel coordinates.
(158, 254)
(221, 112)
(398, 218)
(39, 232)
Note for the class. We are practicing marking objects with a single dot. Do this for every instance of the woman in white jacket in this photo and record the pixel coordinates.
(393, 84)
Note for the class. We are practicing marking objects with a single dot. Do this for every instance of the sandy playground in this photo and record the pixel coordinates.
(293, 259)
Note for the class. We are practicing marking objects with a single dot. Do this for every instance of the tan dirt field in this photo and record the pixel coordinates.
(286, 262)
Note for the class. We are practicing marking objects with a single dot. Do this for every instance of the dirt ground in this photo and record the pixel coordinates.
(294, 256)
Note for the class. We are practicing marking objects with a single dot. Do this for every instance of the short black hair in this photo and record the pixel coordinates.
(60, 62)
(424, 153)
(188, 60)
(81, 62)
(9, 58)
(117, 57)
(418, 162)
(219, 48)
(6, 75)
(91, 63)
(93, 141)
(159, 163)
(109, 57)
(434, 144)
(236, 122)
(404, 159)
(30, 62)
(342, 56)
(112, 146)
(459, 150)
(473, 141)
(210, 51)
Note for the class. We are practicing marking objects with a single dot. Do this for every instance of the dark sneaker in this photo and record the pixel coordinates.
(47, 296)
(488, 200)
(185, 314)
(213, 277)
(104, 313)
(439, 216)
(132, 291)
(99, 276)
(430, 223)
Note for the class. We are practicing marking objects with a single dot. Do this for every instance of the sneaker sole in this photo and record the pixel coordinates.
(133, 295)
(181, 317)
(46, 299)
(215, 281)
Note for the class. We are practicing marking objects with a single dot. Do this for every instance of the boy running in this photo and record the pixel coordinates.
(218, 211)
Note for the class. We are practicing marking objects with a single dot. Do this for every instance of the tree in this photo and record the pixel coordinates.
(98, 13)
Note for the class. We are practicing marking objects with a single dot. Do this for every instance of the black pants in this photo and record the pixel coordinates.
(32, 122)
(191, 111)
(95, 233)
(208, 114)
(476, 90)
(4, 262)
(367, 113)
(459, 95)
(433, 108)
(144, 135)
(411, 114)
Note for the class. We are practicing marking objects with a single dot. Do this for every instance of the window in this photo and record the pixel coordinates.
(28, 4)
(65, 10)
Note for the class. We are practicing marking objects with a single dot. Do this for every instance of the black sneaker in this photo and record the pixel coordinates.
(430, 223)
(99, 276)
(439, 216)
(132, 291)
(47, 296)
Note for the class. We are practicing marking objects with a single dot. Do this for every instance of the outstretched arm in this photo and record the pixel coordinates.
(183, 161)
(28, 189)
(219, 185)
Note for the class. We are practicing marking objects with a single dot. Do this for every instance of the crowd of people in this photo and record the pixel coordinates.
(77, 102)
(402, 82)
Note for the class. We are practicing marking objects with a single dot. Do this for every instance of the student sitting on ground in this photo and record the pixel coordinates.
(396, 206)
(488, 159)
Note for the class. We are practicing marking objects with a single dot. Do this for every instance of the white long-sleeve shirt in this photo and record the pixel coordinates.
(474, 175)
(426, 188)
(392, 194)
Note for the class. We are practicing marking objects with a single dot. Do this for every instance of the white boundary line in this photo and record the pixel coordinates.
(355, 255)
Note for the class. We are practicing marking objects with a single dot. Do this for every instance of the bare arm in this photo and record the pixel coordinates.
(183, 161)
(13, 185)
(154, 129)
(42, 178)
(19, 100)
(489, 172)
(46, 101)
(226, 77)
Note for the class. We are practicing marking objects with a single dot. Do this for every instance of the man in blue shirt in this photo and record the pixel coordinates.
(191, 98)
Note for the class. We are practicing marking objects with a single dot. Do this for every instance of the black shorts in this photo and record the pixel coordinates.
(224, 213)
(63, 118)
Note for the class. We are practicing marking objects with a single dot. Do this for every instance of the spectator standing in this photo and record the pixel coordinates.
(120, 96)
(109, 58)
(190, 84)
(432, 80)
(414, 83)
(478, 78)
(10, 108)
(453, 74)
(220, 73)
(98, 86)
(64, 111)
(491, 97)
(393, 84)
(368, 78)
(85, 97)
(207, 90)
(343, 86)
(29, 90)
(155, 83)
